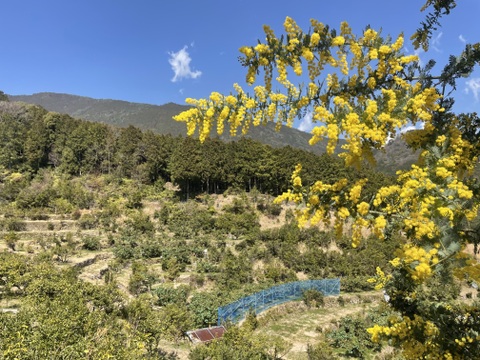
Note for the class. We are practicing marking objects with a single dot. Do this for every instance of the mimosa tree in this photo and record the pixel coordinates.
(364, 89)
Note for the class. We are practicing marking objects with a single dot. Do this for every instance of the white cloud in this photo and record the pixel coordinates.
(473, 85)
(436, 42)
(180, 62)
(407, 129)
(417, 52)
(462, 39)
(306, 124)
(417, 126)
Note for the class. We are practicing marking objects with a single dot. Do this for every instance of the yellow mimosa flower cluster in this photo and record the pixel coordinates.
(420, 261)
(401, 330)
(380, 279)
(365, 120)
(320, 201)
(357, 91)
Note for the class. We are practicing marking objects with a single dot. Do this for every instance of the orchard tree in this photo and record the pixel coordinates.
(364, 89)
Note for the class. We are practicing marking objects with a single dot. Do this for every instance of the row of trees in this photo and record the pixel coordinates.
(33, 139)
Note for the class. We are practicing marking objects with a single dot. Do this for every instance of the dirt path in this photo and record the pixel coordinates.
(300, 326)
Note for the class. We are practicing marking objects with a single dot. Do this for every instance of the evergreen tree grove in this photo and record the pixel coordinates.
(364, 89)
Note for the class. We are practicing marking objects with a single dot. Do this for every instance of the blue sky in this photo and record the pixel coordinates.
(155, 52)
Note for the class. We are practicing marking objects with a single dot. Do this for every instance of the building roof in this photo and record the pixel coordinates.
(206, 334)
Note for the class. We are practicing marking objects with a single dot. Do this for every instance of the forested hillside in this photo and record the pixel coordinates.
(34, 139)
(155, 118)
(396, 155)
(116, 241)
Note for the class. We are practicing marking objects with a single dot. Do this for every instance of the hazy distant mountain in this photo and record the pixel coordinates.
(114, 112)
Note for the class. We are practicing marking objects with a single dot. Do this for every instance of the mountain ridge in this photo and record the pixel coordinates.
(159, 119)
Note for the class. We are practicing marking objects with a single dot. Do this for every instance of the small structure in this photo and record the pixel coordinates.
(206, 335)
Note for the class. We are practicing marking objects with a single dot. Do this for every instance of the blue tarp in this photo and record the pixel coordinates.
(273, 296)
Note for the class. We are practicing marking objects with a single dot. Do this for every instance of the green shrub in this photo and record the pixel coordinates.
(163, 214)
(180, 251)
(141, 223)
(238, 206)
(151, 248)
(356, 283)
(169, 295)
(11, 239)
(141, 278)
(204, 309)
(238, 224)
(38, 214)
(206, 266)
(62, 206)
(197, 279)
(269, 208)
(36, 196)
(278, 273)
(188, 219)
(320, 351)
(234, 272)
(107, 219)
(172, 267)
(242, 343)
(87, 222)
(251, 320)
(351, 337)
(125, 244)
(176, 320)
(314, 237)
(13, 224)
(123, 252)
(91, 243)
(313, 298)
(76, 214)
(134, 199)
(76, 194)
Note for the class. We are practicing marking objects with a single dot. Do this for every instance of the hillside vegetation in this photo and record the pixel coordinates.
(102, 255)
(116, 241)
(35, 139)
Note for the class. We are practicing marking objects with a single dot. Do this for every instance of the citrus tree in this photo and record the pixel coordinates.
(362, 90)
